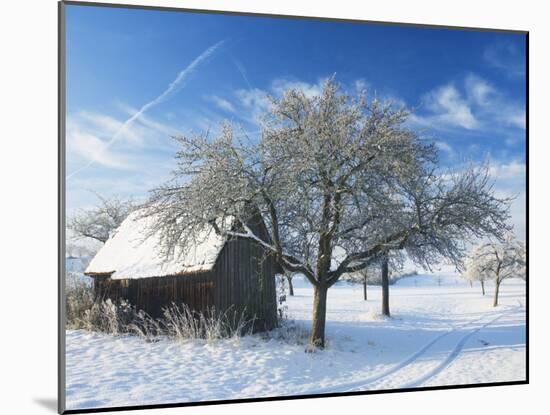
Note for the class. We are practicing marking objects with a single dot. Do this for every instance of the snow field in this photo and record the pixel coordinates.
(442, 332)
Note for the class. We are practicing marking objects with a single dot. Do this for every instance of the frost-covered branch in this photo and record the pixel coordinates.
(497, 260)
(338, 181)
(97, 223)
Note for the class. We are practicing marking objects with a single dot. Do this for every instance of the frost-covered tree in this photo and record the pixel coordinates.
(497, 261)
(97, 223)
(331, 173)
(472, 274)
(521, 264)
(82, 252)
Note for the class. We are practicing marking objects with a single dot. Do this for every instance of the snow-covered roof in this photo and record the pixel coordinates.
(130, 253)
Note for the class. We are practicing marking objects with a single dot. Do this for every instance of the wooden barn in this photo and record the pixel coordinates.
(233, 274)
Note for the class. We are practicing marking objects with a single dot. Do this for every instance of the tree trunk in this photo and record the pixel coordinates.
(497, 287)
(471, 285)
(317, 338)
(483, 287)
(290, 286)
(385, 289)
(365, 289)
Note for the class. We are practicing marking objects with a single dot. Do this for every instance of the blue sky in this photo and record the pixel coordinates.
(135, 77)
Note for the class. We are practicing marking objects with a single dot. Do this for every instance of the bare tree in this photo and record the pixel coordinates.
(98, 223)
(498, 260)
(360, 277)
(289, 276)
(82, 252)
(376, 273)
(389, 262)
(330, 173)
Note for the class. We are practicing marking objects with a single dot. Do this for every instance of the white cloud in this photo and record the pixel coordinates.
(492, 104)
(108, 125)
(89, 147)
(510, 181)
(147, 126)
(140, 160)
(258, 98)
(470, 104)
(506, 57)
(253, 98)
(89, 134)
(517, 118)
(449, 107)
(279, 86)
(478, 90)
(474, 104)
(361, 85)
(254, 102)
(508, 114)
(443, 146)
(177, 84)
(222, 103)
(511, 171)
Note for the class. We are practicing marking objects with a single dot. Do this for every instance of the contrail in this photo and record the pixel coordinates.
(241, 69)
(177, 84)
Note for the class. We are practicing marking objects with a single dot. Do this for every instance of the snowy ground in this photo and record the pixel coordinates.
(443, 332)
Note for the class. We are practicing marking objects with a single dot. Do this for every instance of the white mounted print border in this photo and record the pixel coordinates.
(257, 207)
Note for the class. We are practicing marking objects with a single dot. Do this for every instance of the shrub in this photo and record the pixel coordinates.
(146, 327)
(109, 317)
(178, 321)
(79, 299)
(120, 317)
(181, 323)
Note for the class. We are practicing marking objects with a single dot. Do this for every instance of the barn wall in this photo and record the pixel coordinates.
(246, 281)
(152, 294)
(243, 280)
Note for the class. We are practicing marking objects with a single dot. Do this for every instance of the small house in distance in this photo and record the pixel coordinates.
(227, 274)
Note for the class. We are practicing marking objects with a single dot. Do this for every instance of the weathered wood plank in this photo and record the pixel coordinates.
(243, 278)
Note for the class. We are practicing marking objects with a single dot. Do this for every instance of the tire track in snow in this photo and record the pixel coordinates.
(364, 384)
(453, 355)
